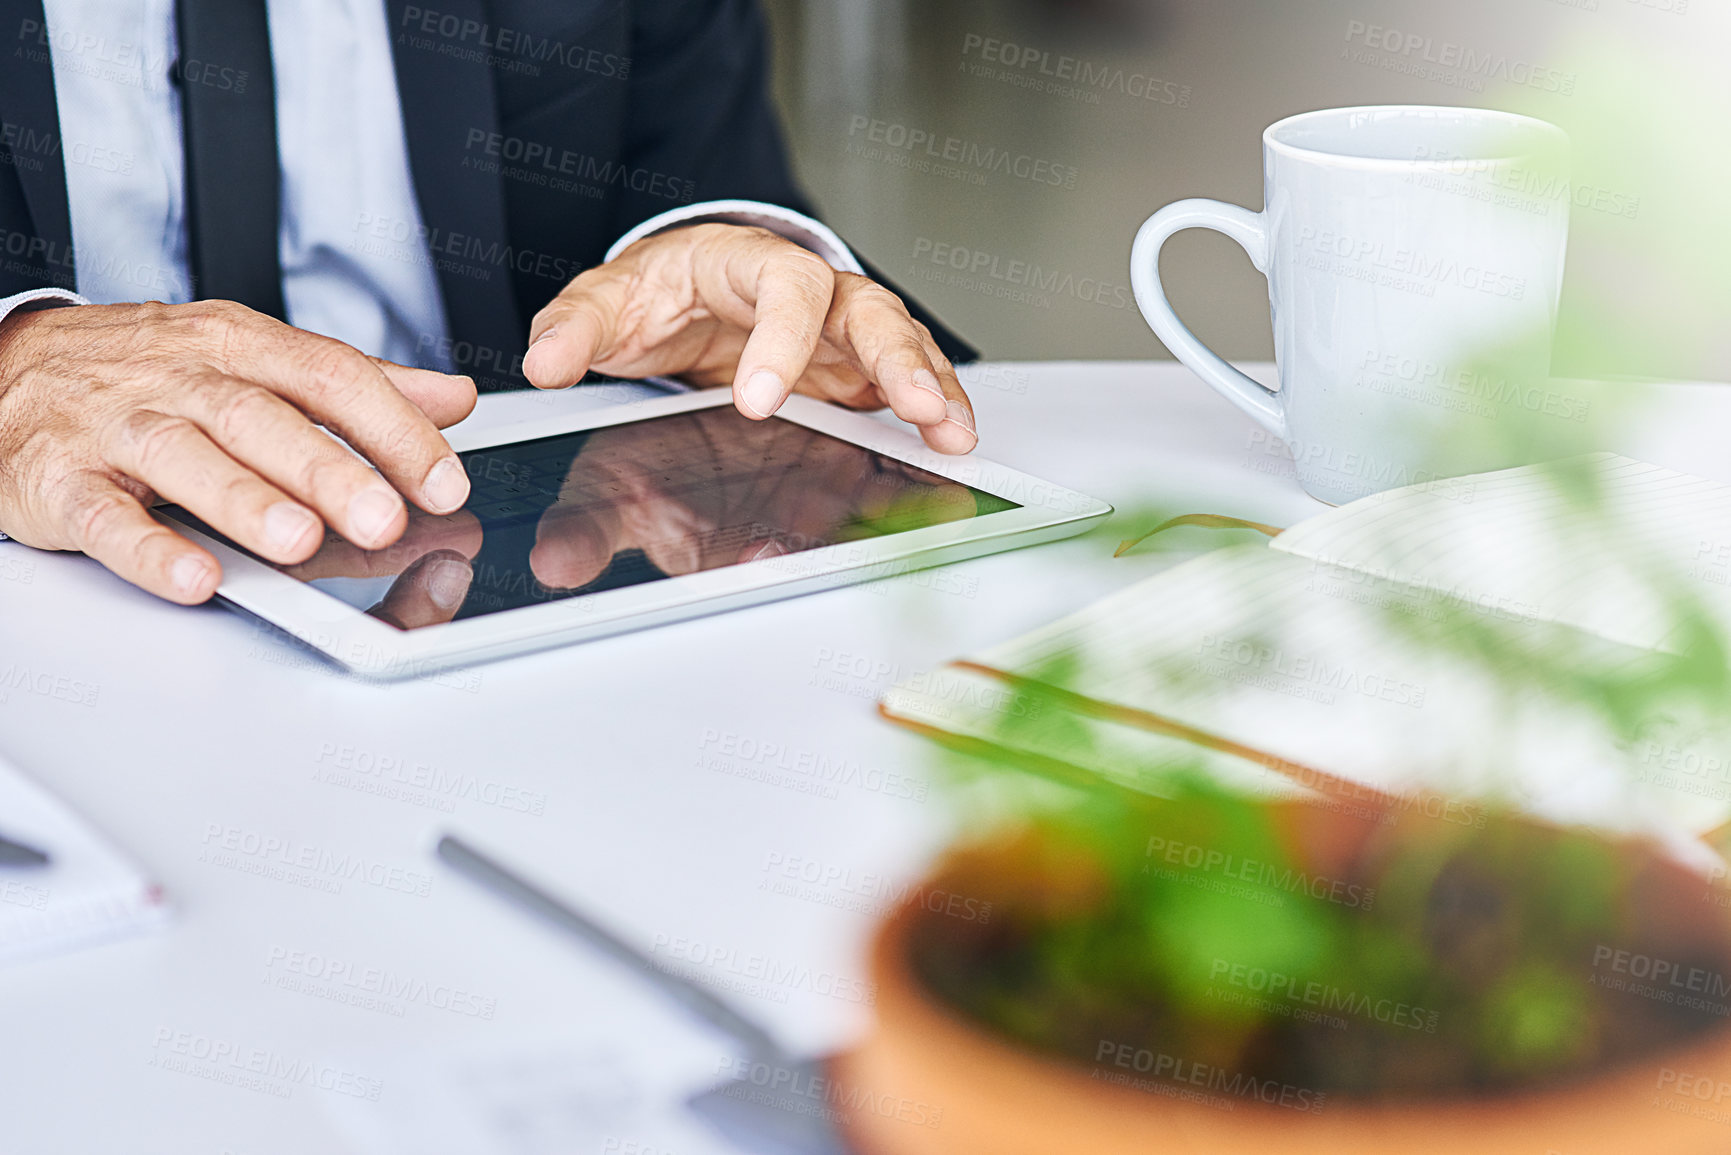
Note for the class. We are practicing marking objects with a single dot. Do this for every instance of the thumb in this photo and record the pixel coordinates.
(571, 332)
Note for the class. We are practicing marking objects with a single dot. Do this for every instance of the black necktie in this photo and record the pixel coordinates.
(233, 180)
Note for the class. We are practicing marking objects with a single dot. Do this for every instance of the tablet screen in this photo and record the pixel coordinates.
(605, 508)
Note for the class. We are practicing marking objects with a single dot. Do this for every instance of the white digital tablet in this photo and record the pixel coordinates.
(638, 515)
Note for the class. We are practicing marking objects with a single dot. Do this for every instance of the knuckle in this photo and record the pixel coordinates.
(874, 296)
(871, 338)
(804, 305)
(241, 408)
(330, 470)
(215, 321)
(97, 515)
(237, 490)
(941, 363)
(712, 232)
(869, 316)
(340, 374)
(404, 442)
(139, 549)
(792, 261)
(719, 233)
(157, 314)
(153, 435)
(549, 313)
(575, 290)
(584, 282)
(575, 304)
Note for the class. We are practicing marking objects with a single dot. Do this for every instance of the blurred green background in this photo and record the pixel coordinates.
(1104, 110)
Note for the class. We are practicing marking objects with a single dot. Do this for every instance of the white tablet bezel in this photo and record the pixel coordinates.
(370, 648)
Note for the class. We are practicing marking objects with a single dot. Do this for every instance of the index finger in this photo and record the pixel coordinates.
(791, 290)
(890, 348)
(956, 433)
(341, 388)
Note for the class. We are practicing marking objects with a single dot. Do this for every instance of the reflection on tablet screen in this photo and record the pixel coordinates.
(634, 503)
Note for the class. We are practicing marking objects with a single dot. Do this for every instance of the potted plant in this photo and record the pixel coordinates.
(1212, 973)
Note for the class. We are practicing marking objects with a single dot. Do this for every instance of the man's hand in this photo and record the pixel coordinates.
(105, 408)
(725, 304)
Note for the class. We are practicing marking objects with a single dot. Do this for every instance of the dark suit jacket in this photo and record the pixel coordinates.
(538, 132)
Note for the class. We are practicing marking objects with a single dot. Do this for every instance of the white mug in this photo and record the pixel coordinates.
(1414, 258)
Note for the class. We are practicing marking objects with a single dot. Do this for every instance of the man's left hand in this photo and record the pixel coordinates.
(720, 304)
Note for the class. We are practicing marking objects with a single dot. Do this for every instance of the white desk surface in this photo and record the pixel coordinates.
(204, 729)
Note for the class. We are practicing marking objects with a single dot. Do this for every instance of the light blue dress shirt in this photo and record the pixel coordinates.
(344, 163)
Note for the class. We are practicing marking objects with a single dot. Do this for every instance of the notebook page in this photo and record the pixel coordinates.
(1624, 566)
(86, 893)
(1333, 670)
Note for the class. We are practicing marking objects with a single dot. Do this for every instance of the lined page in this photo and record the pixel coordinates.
(1650, 547)
(1332, 669)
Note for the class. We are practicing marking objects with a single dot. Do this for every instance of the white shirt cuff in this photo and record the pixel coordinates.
(36, 298)
(802, 230)
(9, 305)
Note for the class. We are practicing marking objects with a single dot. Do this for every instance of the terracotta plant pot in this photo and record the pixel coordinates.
(937, 1083)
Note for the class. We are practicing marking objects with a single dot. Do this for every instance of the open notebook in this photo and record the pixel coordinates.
(1437, 646)
(88, 891)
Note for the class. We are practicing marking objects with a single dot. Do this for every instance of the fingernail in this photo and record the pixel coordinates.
(544, 336)
(287, 526)
(762, 392)
(927, 380)
(957, 412)
(448, 583)
(372, 511)
(189, 575)
(447, 486)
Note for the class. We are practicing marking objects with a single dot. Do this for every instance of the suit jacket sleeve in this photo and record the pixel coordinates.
(699, 108)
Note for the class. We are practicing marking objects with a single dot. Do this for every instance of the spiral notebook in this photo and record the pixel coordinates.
(86, 892)
(1435, 646)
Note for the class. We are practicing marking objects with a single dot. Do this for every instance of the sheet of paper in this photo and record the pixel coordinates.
(88, 892)
(1354, 676)
(1618, 548)
(612, 1084)
(609, 1065)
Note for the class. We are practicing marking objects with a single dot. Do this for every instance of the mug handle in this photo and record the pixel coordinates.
(1250, 230)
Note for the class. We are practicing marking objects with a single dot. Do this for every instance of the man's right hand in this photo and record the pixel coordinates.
(105, 408)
